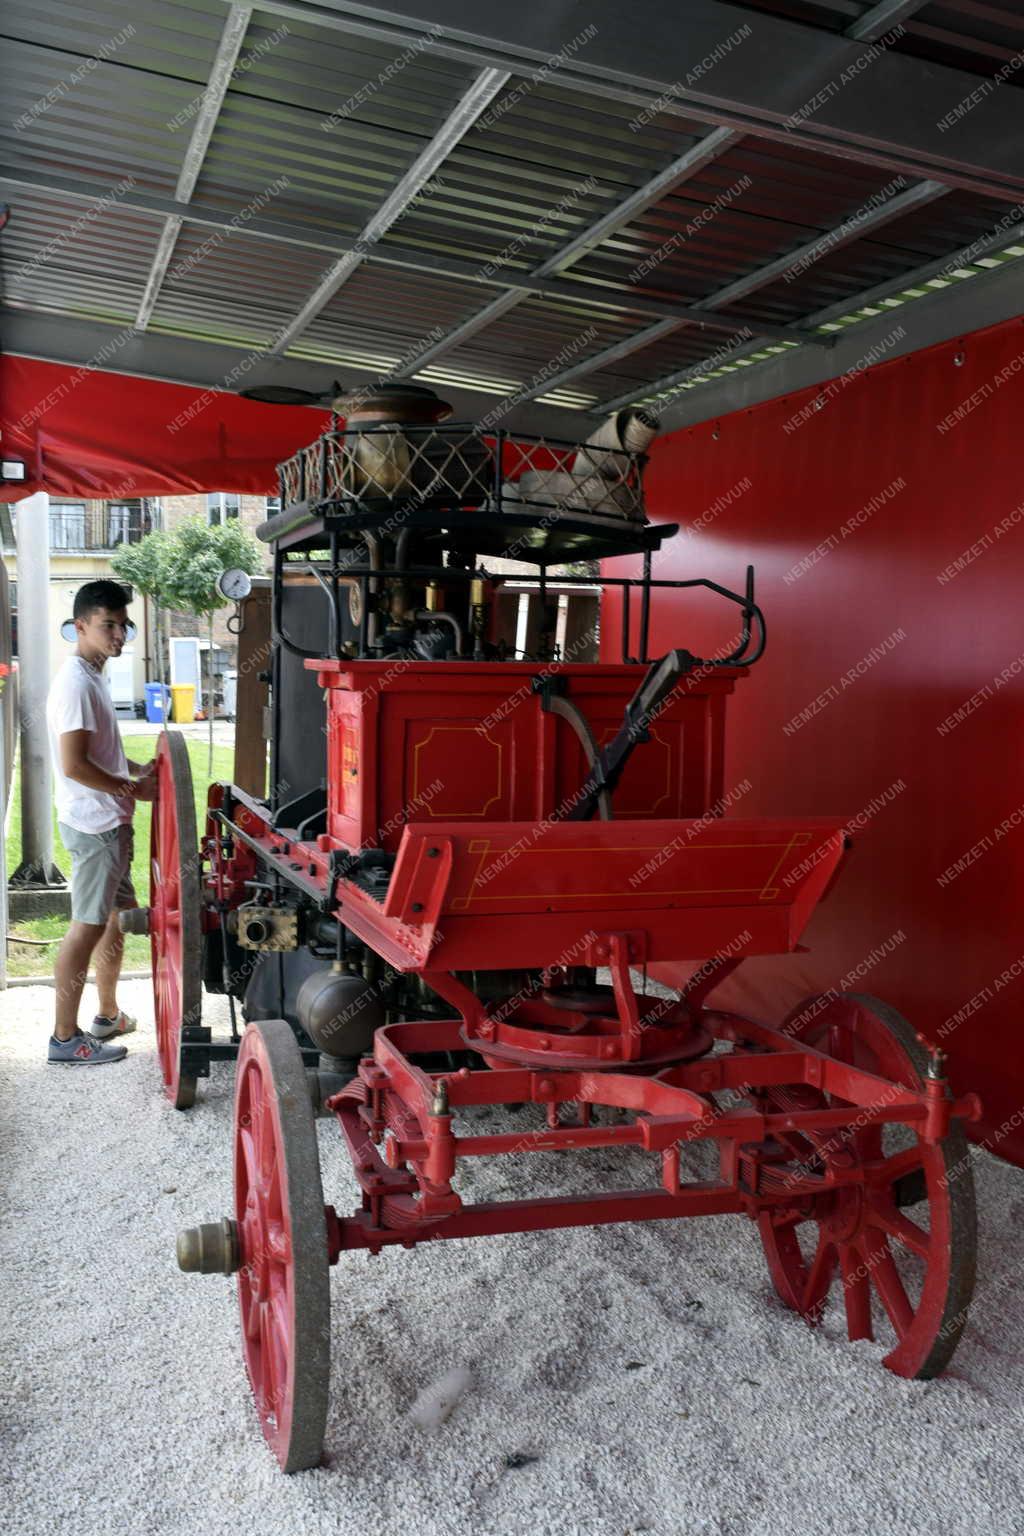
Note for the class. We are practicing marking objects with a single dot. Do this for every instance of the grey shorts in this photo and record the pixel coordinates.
(101, 871)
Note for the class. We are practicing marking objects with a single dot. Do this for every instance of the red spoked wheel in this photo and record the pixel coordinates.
(174, 919)
(906, 1278)
(283, 1287)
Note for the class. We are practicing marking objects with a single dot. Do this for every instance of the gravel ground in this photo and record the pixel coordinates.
(623, 1380)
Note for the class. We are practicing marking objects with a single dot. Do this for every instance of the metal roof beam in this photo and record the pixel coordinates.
(696, 157)
(782, 80)
(943, 266)
(851, 229)
(949, 315)
(881, 18)
(567, 288)
(706, 150)
(225, 59)
(603, 359)
(671, 381)
(216, 367)
(458, 123)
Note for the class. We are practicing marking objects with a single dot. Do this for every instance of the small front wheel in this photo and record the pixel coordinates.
(283, 1287)
(911, 1278)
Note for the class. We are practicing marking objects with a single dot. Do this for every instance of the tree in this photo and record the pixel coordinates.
(178, 569)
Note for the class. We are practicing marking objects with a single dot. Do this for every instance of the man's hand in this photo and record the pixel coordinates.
(144, 787)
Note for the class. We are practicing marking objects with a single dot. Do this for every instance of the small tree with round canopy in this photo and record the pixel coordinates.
(178, 568)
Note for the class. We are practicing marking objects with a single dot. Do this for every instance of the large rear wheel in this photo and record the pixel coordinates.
(174, 922)
(907, 1278)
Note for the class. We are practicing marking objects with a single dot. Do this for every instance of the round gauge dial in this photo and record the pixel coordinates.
(234, 585)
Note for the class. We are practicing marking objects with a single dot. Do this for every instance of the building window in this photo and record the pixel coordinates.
(220, 505)
(67, 525)
(124, 523)
(273, 505)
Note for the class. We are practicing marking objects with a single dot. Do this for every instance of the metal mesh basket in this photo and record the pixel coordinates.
(457, 465)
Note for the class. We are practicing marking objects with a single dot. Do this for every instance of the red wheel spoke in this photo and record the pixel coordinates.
(277, 1340)
(249, 1156)
(278, 1245)
(886, 1170)
(888, 1284)
(819, 1276)
(251, 1318)
(839, 1043)
(856, 1293)
(902, 1229)
(268, 1358)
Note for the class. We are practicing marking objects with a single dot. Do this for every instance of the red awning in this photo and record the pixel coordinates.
(85, 432)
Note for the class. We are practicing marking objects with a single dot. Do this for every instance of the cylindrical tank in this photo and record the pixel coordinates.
(339, 1011)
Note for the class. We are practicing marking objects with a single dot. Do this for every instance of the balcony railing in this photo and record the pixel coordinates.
(76, 526)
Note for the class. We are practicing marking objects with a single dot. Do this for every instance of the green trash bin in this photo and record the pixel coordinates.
(183, 703)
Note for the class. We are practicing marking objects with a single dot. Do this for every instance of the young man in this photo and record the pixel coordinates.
(96, 790)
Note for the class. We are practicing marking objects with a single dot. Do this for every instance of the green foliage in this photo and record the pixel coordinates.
(35, 960)
(179, 568)
(141, 564)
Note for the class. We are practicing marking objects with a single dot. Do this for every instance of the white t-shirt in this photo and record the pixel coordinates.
(79, 700)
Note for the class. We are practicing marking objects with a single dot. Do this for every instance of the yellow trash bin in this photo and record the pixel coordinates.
(183, 703)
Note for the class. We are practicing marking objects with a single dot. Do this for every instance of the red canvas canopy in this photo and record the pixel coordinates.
(85, 432)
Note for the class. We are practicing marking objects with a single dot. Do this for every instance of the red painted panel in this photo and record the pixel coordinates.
(423, 742)
(887, 529)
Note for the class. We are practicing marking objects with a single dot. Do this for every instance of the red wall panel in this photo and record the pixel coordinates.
(887, 530)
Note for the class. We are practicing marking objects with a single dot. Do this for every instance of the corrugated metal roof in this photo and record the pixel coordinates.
(975, 35)
(751, 205)
(540, 166)
(534, 341)
(319, 110)
(318, 126)
(63, 255)
(229, 286)
(685, 348)
(381, 317)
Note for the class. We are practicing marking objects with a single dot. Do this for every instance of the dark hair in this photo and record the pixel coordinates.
(99, 594)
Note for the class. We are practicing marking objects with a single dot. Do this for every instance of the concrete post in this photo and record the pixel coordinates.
(37, 868)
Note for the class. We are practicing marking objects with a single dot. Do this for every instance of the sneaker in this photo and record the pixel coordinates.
(102, 1028)
(83, 1051)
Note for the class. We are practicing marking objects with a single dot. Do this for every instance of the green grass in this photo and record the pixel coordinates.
(37, 960)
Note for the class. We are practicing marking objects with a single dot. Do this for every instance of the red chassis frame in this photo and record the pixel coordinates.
(405, 1207)
(456, 902)
(798, 1112)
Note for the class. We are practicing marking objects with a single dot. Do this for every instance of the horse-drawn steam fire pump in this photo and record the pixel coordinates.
(471, 850)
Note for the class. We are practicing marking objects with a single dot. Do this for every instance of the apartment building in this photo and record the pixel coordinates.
(83, 536)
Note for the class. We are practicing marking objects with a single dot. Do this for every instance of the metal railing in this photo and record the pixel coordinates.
(79, 526)
(457, 465)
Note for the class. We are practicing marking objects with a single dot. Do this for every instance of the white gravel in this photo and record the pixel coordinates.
(622, 1380)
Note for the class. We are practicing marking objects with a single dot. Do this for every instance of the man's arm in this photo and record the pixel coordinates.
(78, 765)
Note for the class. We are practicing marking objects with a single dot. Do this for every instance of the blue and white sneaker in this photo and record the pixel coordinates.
(102, 1028)
(83, 1051)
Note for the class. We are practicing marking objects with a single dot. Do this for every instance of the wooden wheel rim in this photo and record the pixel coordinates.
(283, 1290)
(175, 935)
(855, 1230)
